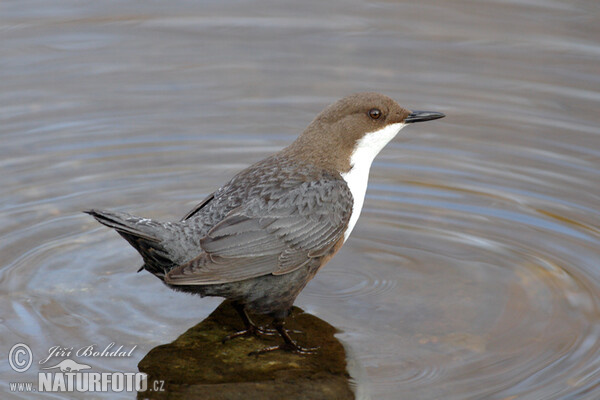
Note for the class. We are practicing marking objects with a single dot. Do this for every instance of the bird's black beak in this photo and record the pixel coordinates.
(420, 116)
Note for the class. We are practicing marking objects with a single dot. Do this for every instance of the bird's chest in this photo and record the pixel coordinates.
(356, 179)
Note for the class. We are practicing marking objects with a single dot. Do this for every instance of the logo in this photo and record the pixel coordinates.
(69, 366)
(20, 357)
(68, 375)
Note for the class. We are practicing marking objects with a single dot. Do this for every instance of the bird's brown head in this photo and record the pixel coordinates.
(367, 119)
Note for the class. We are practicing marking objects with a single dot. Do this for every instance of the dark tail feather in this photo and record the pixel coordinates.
(143, 234)
(122, 223)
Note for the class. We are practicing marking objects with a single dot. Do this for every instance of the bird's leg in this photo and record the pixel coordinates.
(250, 327)
(288, 345)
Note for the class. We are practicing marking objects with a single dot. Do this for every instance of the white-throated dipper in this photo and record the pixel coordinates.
(262, 236)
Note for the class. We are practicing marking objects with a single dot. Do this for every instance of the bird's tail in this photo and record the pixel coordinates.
(144, 234)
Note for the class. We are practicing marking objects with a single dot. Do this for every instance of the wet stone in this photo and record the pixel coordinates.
(197, 365)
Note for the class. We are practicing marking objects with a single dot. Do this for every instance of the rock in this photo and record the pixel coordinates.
(198, 366)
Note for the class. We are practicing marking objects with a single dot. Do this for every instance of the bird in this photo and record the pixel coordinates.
(262, 236)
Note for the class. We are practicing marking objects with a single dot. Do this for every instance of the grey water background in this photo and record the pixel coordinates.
(474, 271)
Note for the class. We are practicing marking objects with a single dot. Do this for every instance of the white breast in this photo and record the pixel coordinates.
(360, 163)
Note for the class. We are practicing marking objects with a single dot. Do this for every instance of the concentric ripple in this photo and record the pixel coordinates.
(499, 295)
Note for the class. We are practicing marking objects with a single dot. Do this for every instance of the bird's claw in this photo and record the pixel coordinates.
(292, 347)
(252, 330)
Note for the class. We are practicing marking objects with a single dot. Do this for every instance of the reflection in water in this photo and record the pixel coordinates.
(198, 365)
(474, 269)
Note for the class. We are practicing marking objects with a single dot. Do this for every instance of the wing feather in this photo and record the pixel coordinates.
(272, 234)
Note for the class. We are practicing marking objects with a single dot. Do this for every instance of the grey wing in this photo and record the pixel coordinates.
(275, 234)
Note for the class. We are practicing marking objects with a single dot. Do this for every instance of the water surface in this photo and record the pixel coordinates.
(474, 271)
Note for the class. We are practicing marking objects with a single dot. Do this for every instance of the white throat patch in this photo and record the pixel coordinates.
(360, 163)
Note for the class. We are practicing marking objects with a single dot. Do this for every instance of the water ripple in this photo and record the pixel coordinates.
(473, 272)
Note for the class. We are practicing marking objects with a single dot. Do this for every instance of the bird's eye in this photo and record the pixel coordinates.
(375, 113)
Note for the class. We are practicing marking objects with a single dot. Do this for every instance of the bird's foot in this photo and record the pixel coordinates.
(278, 324)
(288, 345)
(256, 331)
(251, 330)
(291, 347)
